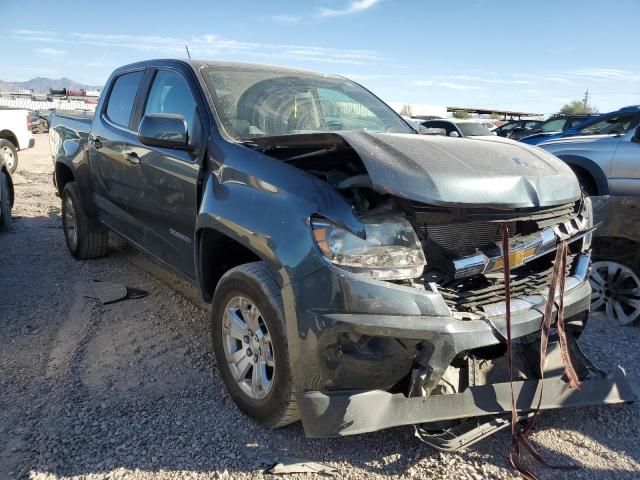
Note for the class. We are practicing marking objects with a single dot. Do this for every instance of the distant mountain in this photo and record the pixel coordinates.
(43, 84)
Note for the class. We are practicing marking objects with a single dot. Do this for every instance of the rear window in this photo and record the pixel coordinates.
(123, 94)
(473, 130)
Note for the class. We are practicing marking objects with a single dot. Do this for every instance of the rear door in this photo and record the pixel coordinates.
(109, 140)
(163, 181)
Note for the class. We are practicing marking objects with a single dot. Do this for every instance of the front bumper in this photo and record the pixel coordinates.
(329, 414)
(346, 356)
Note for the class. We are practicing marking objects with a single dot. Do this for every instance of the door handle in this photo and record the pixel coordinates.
(95, 142)
(131, 157)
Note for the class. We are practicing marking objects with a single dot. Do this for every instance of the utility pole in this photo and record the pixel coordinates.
(585, 101)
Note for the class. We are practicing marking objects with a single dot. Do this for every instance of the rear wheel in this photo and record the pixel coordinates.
(5, 203)
(250, 344)
(86, 238)
(9, 153)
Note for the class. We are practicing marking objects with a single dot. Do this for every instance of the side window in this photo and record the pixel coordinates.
(170, 93)
(617, 124)
(553, 125)
(122, 96)
(576, 121)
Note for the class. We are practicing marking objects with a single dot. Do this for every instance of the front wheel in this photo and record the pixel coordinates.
(9, 154)
(250, 345)
(86, 238)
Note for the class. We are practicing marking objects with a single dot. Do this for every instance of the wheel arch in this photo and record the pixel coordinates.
(591, 168)
(217, 253)
(9, 135)
(63, 175)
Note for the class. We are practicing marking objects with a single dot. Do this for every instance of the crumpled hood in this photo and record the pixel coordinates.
(459, 172)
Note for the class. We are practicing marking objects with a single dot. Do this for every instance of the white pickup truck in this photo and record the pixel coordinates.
(15, 135)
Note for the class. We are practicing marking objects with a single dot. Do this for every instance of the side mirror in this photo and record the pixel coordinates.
(167, 130)
(636, 136)
(454, 134)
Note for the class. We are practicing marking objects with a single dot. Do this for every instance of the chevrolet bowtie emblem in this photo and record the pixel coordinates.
(516, 258)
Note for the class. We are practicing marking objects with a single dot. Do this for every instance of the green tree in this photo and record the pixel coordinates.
(579, 106)
(461, 114)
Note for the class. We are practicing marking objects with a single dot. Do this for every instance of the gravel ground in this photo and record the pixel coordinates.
(130, 390)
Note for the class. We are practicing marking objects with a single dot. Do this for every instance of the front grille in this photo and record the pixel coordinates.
(462, 232)
(471, 294)
(466, 238)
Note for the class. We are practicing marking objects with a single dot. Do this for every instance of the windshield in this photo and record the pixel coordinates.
(255, 101)
(473, 129)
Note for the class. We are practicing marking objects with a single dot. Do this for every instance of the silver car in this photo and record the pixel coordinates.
(605, 164)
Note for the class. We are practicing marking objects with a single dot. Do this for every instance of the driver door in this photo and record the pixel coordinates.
(164, 181)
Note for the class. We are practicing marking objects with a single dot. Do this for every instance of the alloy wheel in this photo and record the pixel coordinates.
(9, 159)
(248, 348)
(616, 290)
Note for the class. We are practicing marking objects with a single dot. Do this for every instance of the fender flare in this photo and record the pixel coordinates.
(590, 167)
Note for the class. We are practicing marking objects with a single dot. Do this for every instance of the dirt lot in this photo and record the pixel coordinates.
(130, 390)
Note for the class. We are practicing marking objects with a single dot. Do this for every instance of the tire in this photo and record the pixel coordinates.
(10, 154)
(253, 283)
(5, 203)
(86, 238)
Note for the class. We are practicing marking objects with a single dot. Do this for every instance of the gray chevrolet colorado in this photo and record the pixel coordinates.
(354, 266)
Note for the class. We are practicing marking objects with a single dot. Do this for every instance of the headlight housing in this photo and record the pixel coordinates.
(391, 249)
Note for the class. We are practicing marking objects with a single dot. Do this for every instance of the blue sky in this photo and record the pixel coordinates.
(531, 56)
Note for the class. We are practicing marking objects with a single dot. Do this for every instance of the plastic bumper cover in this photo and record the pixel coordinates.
(328, 414)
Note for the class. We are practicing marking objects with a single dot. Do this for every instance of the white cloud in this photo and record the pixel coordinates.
(498, 81)
(52, 52)
(207, 45)
(286, 18)
(354, 6)
(601, 73)
(458, 86)
(450, 85)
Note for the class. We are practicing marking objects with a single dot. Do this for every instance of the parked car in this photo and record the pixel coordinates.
(15, 135)
(618, 122)
(459, 128)
(557, 125)
(7, 196)
(516, 129)
(605, 163)
(351, 263)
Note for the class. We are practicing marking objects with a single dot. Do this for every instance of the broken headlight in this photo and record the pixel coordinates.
(391, 249)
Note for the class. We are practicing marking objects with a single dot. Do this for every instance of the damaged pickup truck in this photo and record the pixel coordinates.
(354, 266)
